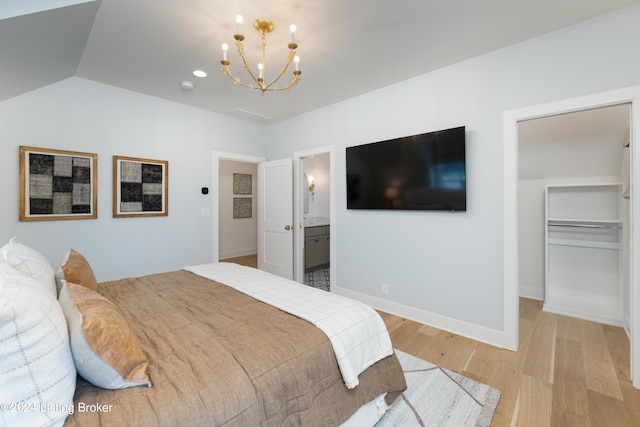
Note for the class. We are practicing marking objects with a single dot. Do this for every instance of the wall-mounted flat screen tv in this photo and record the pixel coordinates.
(419, 172)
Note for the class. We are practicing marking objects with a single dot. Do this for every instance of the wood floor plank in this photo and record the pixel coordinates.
(561, 418)
(496, 367)
(593, 340)
(607, 411)
(529, 309)
(499, 420)
(600, 372)
(448, 350)
(631, 401)
(534, 402)
(619, 349)
(391, 322)
(407, 338)
(526, 330)
(485, 362)
(248, 260)
(602, 377)
(569, 383)
(509, 389)
(568, 328)
(540, 357)
(429, 331)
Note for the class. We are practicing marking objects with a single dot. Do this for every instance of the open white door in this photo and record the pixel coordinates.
(275, 217)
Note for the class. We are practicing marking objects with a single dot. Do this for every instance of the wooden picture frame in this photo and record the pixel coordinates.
(57, 184)
(140, 187)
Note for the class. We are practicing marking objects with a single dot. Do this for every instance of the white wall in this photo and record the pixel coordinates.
(318, 168)
(237, 236)
(80, 115)
(441, 265)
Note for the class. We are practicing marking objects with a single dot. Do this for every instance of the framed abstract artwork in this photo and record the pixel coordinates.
(242, 183)
(242, 207)
(57, 184)
(140, 187)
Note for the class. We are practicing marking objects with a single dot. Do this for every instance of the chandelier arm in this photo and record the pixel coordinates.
(246, 66)
(292, 53)
(288, 86)
(226, 70)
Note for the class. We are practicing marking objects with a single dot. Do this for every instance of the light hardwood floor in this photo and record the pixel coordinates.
(249, 260)
(567, 372)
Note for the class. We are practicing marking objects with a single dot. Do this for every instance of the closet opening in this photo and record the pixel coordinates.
(574, 213)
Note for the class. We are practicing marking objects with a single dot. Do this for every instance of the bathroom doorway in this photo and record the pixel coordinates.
(315, 240)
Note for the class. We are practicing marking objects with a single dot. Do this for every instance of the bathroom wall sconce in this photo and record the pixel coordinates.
(312, 187)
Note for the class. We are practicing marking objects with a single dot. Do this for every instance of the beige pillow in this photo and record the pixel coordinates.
(76, 269)
(105, 350)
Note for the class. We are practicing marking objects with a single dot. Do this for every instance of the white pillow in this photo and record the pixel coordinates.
(29, 262)
(36, 366)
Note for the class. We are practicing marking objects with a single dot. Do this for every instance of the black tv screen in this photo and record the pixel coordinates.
(420, 172)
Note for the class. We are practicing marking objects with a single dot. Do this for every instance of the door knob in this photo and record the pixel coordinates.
(287, 227)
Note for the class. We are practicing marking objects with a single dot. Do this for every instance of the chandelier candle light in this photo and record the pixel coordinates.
(263, 26)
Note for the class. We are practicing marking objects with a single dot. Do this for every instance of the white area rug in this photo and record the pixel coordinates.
(438, 397)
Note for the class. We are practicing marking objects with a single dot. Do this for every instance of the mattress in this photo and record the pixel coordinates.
(218, 357)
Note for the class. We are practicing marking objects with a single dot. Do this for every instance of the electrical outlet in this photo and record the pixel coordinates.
(384, 289)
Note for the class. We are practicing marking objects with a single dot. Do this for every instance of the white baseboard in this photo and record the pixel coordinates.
(465, 329)
(599, 316)
(627, 326)
(233, 254)
(599, 308)
(532, 293)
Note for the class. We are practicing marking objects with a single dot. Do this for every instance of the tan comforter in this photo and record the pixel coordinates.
(220, 358)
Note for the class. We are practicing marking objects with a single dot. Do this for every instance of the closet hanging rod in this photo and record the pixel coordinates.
(573, 224)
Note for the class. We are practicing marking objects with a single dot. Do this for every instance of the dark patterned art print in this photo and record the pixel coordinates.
(57, 184)
(141, 187)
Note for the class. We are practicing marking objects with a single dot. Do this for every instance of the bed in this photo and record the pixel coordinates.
(203, 352)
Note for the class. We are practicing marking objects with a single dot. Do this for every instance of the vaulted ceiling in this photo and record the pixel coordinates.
(346, 47)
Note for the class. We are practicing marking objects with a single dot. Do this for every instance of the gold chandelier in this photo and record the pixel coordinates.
(263, 26)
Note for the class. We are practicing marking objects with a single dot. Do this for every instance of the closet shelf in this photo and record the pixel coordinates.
(584, 243)
(584, 223)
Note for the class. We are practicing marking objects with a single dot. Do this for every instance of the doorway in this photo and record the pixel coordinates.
(511, 257)
(314, 201)
(298, 202)
(574, 255)
(217, 157)
(237, 199)
(316, 221)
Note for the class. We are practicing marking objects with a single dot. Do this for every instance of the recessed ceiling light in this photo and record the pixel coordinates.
(199, 73)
